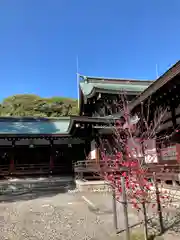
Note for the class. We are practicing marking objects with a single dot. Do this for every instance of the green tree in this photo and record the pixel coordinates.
(32, 105)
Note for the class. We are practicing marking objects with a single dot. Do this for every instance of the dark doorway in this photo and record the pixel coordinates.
(66, 155)
(35, 155)
(63, 159)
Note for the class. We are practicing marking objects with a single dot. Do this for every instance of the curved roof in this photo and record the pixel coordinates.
(22, 126)
(90, 85)
(35, 126)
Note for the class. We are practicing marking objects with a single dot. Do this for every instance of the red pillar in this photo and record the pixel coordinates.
(12, 165)
(11, 169)
(51, 160)
(51, 163)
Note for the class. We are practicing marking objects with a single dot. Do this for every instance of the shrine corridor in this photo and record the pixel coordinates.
(40, 160)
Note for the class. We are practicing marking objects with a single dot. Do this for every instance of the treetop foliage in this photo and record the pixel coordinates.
(30, 105)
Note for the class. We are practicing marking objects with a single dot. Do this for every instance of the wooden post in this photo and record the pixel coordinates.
(97, 155)
(158, 204)
(51, 160)
(11, 167)
(173, 114)
(124, 202)
(114, 209)
(145, 221)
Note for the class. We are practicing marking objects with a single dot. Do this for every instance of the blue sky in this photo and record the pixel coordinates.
(40, 39)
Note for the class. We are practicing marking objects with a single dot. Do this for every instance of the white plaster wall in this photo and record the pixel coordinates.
(134, 147)
(93, 150)
(150, 151)
(169, 153)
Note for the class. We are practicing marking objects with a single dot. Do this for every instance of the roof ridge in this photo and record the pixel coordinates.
(114, 79)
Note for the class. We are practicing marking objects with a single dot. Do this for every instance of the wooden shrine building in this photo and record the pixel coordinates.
(103, 98)
(163, 94)
(40, 146)
(51, 145)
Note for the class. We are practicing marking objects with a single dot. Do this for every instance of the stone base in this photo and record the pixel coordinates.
(92, 186)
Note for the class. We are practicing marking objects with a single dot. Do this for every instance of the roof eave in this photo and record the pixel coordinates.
(161, 81)
(100, 90)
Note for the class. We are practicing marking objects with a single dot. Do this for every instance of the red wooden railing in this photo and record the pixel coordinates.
(163, 171)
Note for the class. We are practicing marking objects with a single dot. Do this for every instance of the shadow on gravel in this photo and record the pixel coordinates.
(100, 210)
(171, 224)
(27, 190)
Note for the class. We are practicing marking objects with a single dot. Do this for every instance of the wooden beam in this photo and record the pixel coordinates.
(173, 114)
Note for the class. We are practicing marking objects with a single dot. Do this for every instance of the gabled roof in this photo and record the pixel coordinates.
(90, 85)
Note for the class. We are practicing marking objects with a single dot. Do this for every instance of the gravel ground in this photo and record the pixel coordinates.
(103, 201)
(61, 216)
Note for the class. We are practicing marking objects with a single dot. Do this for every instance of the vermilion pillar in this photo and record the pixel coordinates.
(51, 160)
(12, 165)
(51, 163)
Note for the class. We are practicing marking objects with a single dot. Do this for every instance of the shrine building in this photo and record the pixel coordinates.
(40, 146)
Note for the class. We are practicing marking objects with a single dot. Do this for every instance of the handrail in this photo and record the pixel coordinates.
(86, 162)
(111, 164)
